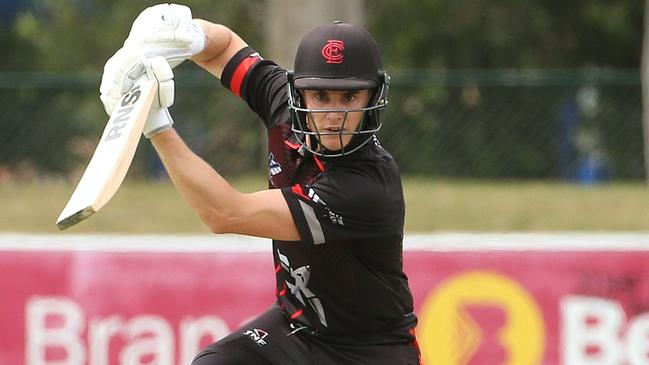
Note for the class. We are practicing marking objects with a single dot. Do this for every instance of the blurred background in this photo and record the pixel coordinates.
(517, 124)
(534, 95)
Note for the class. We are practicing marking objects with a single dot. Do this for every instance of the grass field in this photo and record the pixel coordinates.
(432, 206)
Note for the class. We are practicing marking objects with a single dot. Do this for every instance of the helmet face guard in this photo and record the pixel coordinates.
(306, 130)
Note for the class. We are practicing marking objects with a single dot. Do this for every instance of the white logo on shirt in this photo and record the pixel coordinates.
(273, 166)
(335, 218)
(313, 196)
(257, 336)
(299, 289)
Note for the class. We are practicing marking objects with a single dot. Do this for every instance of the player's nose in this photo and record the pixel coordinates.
(336, 116)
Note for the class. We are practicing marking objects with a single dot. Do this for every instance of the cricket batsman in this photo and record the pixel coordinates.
(334, 209)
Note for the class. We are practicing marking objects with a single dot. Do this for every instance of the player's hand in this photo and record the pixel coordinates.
(159, 118)
(121, 72)
(166, 30)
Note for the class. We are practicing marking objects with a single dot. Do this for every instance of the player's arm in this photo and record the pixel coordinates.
(221, 44)
(222, 208)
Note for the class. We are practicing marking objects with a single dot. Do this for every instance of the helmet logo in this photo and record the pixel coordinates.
(333, 51)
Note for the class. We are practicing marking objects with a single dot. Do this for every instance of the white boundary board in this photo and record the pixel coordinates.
(438, 242)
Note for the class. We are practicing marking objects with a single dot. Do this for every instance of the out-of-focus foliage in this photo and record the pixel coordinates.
(482, 124)
(79, 36)
(508, 33)
(444, 119)
(67, 43)
(74, 35)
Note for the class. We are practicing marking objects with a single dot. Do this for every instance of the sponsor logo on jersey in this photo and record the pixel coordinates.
(376, 142)
(299, 287)
(314, 197)
(273, 166)
(335, 218)
(257, 336)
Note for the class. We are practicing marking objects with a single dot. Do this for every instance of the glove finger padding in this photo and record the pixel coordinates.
(159, 118)
(173, 26)
(158, 68)
(120, 73)
(166, 30)
(160, 18)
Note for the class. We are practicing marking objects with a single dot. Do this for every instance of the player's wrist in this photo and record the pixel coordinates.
(159, 118)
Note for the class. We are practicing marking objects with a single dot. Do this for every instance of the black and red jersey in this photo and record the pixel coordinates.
(344, 279)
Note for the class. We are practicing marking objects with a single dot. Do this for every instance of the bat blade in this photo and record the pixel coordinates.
(113, 155)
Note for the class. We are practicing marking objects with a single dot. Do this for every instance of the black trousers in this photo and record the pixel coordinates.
(270, 340)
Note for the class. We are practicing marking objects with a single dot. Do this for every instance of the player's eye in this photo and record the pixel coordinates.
(321, 96)
(350, 97)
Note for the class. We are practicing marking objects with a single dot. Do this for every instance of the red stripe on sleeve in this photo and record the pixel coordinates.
(297, 314)
(240, 73)
(297, 190)
(292, 145)
(319, 163)
(282, 292)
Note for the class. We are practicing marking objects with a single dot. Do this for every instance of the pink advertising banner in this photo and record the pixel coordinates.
(475, 306)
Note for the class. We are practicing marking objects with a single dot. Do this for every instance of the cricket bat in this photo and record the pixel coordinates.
(113, 155)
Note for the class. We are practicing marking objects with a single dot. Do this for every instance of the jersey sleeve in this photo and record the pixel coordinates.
(260, 83)
(354, 209)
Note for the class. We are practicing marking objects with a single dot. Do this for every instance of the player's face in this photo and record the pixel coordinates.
(335, 127)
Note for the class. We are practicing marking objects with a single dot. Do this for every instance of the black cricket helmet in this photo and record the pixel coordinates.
(338, 57)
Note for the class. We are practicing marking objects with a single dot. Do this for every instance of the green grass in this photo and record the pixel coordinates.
(431, 206)
(138, 207)
(525, 206)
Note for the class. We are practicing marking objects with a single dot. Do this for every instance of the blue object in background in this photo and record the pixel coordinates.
(568, 120)
(8, 10)
(591, 170)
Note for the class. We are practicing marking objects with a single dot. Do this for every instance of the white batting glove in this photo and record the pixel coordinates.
(120, 73)
(166, 30)
(159, 118)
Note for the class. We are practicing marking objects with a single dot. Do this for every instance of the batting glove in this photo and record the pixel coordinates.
(120, 73)
(159, 118)
(166, 30)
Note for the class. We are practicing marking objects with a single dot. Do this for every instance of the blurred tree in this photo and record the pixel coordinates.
(481, 34)
(78, 36)
(74, 35)
(75, 38)
(508, 33)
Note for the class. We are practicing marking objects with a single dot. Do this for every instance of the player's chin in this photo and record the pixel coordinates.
(333, 143)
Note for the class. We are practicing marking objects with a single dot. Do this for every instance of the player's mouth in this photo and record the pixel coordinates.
(332, 129)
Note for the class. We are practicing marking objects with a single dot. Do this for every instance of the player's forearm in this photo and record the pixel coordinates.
(221, 44)
(209, 195)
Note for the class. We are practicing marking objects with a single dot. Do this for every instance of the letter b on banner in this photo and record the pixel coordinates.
(593, 333)
(54, 325)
